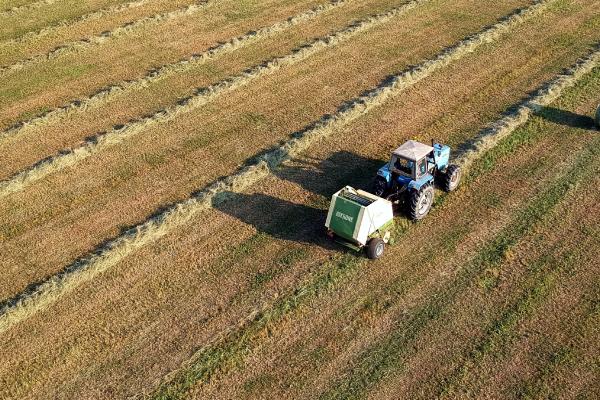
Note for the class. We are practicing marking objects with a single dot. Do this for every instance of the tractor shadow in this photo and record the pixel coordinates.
(302, 223)
(325, 177)
(567, 118)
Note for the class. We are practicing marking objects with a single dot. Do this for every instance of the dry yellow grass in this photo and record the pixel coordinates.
(51, 84)
(123, 30)
(32, 17)
(179, 214)
(127, 87)
(25, 7)
(226, 271)
(203, 96)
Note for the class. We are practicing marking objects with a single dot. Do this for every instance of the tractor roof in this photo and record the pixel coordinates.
(413, 150)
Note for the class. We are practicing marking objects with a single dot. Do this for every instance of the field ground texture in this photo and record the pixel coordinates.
(162, 201)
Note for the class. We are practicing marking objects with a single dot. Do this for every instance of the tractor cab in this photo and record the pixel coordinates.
(411, 172)
(412, 161)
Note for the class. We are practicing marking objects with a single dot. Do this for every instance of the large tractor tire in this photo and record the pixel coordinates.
(380, 187)
(420, 202)
(375, 248)
(451, 177)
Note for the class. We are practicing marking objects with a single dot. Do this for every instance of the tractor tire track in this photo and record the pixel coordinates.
(202, 95)
(94, 15)
(126, 87)
(26, 7)
(39, 297)
(122, 30)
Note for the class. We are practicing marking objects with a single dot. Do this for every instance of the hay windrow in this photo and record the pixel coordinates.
(26, 7)
(94, 15)
(122, 30)
(127, 87)
(490, 136)
(38, 298)
(199, 99)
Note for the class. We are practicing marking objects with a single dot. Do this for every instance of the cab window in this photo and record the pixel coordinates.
(403, 165)
(422, 167)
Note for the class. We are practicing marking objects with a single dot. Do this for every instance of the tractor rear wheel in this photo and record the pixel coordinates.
(375, 248)
(379, 187)
(452, 177)
(420, 202)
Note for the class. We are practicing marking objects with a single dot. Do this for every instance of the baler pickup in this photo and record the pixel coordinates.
(359, 219)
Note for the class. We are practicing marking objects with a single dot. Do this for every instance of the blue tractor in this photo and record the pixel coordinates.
(410, 175)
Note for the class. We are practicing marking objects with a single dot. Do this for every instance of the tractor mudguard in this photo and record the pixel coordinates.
(424, 180)
(442, 156)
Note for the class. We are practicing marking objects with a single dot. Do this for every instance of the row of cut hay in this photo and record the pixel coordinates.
(490, 136)
(202, 96)
(26, 7)
(65, 24)
(126, 87)
(172, 382)
(41, 296)
(122, 30)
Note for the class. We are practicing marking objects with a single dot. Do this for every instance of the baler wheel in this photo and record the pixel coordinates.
(375, 248)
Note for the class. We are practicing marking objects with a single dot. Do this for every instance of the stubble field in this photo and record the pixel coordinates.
(166, 169)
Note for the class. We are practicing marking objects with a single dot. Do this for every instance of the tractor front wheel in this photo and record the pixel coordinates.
(420, 202)
(452, 178)
(375, 248)
(379, 187)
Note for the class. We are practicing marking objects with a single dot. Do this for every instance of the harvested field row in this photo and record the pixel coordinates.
(42, 87)
(39, 297)
(202, 95)
(16, 25)
(566, 367)
(499, 130)
(205, 361)
(126, 87)
(48, 265)
(502, 334)
(547, 268)
(25, 7)
(113, 316)
(48, 30)
(122, 30)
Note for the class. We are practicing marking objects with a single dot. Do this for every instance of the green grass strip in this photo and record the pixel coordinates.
(384, 357)
(216, 358)
(539, 386)
(547, 271)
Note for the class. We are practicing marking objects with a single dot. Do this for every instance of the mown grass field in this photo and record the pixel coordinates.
(166, 168)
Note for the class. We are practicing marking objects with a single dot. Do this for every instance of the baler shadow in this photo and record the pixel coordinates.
(566, 118)
(283, 219)
(278, 218)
